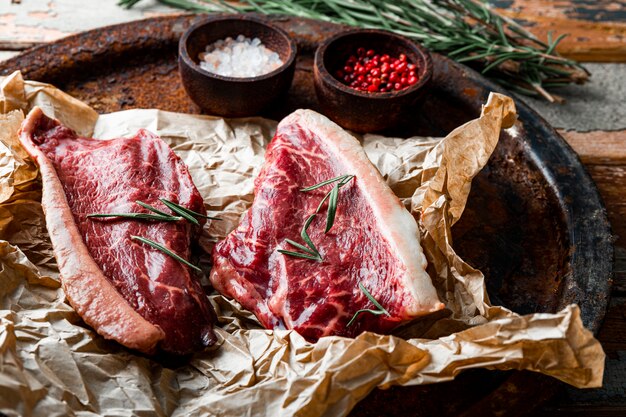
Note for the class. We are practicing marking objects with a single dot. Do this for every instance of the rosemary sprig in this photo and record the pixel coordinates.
(381, 310)
(159, 215)
(466, 30)
(139, 216)
(165, 251)
(332, 196)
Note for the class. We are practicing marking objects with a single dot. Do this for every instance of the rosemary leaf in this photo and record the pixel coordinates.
(301, 247)
(171, 205)
(299, 255)
(323, 183)
(151, 208)
(127, 4)
(319, 206)
(165, 251)
(346, 180)
(176, 209)
(381, 310)
(332, 207)
(305, 235)
(311, 251)
(373, 300)
(364, 310)
(138, 216)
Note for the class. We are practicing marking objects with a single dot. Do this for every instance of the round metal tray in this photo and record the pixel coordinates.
(534, 223)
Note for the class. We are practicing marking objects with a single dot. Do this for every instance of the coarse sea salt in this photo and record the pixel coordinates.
(241, 57)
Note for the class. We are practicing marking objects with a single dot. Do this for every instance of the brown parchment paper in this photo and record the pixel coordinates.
(52, 364)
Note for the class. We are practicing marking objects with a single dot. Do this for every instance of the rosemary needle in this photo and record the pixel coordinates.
(151, 208)
(305, 235)
(302, 247)
(381, 310)
(332, 207)
(138, 216)
(165, 251)
(180, 209)
(323, 183)
(299, 255)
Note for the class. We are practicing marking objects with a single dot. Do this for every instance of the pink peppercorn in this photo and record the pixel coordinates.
(368, 71)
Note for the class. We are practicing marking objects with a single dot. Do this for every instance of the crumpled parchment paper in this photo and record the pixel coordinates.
(52, 364)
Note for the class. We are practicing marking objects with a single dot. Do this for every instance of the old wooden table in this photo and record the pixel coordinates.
(593, 121)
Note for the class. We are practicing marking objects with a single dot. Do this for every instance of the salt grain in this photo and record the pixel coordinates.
(241, 57)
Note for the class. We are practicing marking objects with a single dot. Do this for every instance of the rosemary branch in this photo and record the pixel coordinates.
(466, 30)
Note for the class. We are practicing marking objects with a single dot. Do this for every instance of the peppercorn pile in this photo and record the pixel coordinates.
(377, 73)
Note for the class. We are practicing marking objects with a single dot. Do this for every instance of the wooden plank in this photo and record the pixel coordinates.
(604, 155)
(613, 331)
(598, 147)
(596, 29)
(611, 181)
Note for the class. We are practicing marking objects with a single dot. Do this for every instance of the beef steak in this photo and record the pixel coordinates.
(124, 289)
(374, 241)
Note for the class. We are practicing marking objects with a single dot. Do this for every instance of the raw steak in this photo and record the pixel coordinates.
(374, 240)
(124, 289)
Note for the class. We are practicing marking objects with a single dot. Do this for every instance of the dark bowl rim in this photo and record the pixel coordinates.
(183, 53)
(406, 42)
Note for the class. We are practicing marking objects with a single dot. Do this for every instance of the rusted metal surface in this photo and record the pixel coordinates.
(534, 223)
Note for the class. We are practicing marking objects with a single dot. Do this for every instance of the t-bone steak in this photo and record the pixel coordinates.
(126, 290)
(374, 240)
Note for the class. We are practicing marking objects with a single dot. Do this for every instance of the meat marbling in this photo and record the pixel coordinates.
(374, 240)
(125, 290)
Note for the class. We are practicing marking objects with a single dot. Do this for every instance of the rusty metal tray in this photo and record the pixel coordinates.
(534, 223)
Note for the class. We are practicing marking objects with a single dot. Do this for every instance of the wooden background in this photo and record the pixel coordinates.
(593, 122)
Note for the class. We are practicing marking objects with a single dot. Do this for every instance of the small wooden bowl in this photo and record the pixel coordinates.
(232, 96)
(362, 111)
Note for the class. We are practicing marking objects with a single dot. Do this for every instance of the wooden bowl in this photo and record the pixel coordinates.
(232, 96)
(363, 111)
